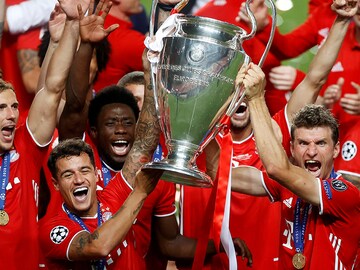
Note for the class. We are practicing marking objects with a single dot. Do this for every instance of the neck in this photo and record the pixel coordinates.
(117, 13)
(241, 134)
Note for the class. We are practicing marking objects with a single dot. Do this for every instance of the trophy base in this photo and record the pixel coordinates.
(180, 175)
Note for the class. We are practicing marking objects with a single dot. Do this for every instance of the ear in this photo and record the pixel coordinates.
(292, 148)
(55, 183)
(336, 150)
(93, 132)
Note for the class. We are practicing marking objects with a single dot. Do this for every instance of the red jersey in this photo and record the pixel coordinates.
(58, 232)
(127, 46)
(332, 230)
(253, 219)
(349, 158)
(309, 34)
(347, 65)
(160, 202)
(19, 238)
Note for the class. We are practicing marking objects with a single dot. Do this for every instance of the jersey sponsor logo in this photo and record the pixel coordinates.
(337, 67)
(327, 189)
(288, 202)
(338, 185)
(348, 150)
(58, 234)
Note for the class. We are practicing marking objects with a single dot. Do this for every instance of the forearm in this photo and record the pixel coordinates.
(269, 147)
(147, 133)
(62, 58)
(326, 56)
(45, 64)
(73, 118)
(30, 69)
(110, 234)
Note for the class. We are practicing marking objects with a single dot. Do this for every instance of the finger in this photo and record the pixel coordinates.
(106, 10)
(91, 7)
(356, 86)
(111, 28)
(80, 12)
(99, 7)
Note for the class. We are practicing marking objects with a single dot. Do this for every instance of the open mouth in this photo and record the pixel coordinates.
(313, 167)
(8, 132)
(121, 147)
(80, 193)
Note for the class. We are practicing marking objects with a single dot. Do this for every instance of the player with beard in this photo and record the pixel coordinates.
(306, 92)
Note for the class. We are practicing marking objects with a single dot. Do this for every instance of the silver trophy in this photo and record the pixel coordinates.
(194, 84)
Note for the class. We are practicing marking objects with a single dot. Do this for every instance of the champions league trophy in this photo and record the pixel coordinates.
(194, 84)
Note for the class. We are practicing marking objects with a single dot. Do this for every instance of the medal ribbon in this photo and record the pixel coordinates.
(158, 153)
(100, 264)
(333, 174)
(300, 226)
(106, 173)
(5, 169)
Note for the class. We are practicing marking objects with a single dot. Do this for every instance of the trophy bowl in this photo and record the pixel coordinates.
(194, 88)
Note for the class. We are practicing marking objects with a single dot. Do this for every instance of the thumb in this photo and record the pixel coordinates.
(340, 82)
(356, 86)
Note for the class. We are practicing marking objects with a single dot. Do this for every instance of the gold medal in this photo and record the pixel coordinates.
(299, 261)
(4, 218)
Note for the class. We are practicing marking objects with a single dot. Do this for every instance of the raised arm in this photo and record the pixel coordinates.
(87, 246)
(307, 91)
(270, 150)
(73, 118)
(147, 130)
(43, 111)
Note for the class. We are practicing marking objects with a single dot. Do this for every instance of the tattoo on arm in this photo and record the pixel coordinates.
(84, 240)
(28, 60)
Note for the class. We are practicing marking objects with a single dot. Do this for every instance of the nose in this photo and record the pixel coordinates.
(312, 150)
(10, 113)
(78, 178)
(120, 128)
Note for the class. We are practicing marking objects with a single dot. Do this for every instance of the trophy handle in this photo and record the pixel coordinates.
(239, 92)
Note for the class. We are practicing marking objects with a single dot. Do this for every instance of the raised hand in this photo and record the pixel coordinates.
(56, 23)
(332, 93)
(351, 102)
(92, 26)
(345, 8)
(70, 7)
(254, 82)
(283, 77)
(260, 11)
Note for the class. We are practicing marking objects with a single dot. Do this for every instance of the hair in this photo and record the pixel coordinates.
(312, 116)
(102, 50)
(135, 77)
(4, 85)
(68, 148)
(110, 95)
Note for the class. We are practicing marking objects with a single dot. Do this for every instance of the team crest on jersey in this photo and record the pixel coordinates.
(14, 156)
(338, 185)
(58, 234)
(106, 216)
(348, 150)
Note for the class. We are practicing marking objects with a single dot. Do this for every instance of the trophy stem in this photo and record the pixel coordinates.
(177, 166)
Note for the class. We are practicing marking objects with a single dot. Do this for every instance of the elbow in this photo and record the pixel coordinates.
(274, 170)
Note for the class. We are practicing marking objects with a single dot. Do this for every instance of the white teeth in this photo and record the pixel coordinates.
(120, 141)
(81, 189)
